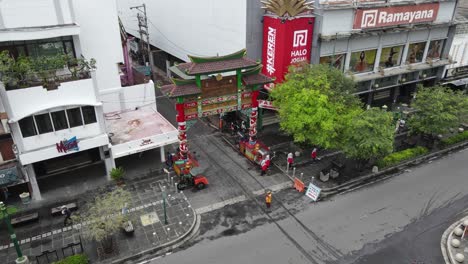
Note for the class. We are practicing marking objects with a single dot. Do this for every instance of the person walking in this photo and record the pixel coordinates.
(313, 155)
(67, 213)
(264, 166)
(169, 160)
(290, 159)
(268, 199)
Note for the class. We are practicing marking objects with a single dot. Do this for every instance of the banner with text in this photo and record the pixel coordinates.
(396, 15)
(285, 42)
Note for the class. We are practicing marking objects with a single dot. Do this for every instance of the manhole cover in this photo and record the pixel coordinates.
(149, 219)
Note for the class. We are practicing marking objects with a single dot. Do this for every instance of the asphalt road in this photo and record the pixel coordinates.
(399, 220)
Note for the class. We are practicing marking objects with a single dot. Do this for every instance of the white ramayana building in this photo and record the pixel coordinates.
(68, 125)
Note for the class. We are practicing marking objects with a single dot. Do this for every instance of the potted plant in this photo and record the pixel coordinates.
(117, 175)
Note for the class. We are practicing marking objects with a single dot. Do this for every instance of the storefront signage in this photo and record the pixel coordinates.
(396, 15)
(145, 142)
(285, 42)
(8, 176)
(266, 104)
(67, 145)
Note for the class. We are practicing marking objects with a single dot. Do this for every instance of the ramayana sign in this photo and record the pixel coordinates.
(397, 15)
(285, 42)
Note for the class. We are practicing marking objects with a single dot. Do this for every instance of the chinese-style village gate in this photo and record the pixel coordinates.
(208, 89)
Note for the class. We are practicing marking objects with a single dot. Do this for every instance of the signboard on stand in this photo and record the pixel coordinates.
(313, 192)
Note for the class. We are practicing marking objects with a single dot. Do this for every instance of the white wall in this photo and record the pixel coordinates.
(50, 139)
(27, 101)
(34, 13)
(100, 38)
(459, 51)
(114, 100)
(199, 28)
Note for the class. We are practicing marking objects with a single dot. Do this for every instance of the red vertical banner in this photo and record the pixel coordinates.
(285, 42)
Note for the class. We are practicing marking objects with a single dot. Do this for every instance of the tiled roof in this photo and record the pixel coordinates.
(173, 90)
(191, 68)
(256, 79)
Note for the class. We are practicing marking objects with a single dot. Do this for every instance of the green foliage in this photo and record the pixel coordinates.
(439, 108)
(11, 210)
(104, 215)
(117, 174)
(400, 156)
(370, 134)
(78, 66)
(455, 139)
(75, 259)
(316, 105)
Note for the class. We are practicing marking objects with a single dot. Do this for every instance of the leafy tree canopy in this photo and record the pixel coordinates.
(438, 109)
(316, 104)
(370, 134)
(103, 215)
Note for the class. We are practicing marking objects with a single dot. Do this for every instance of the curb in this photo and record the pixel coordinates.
(193, 230)
(445, 241)
(394, 169)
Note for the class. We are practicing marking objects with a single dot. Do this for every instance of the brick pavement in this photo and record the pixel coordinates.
(49, 234)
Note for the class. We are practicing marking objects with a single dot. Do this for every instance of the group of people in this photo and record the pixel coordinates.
(290, 157)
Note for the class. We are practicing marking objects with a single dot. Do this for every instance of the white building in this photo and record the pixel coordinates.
(45, 122)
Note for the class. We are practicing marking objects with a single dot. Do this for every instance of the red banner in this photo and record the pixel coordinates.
(285, 42)
(396, 15)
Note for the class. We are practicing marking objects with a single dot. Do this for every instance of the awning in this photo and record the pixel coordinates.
(459, 82)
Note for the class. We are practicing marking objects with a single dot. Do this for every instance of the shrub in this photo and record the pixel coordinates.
(75, 259)
(455, 139)
(117, 174)
(397, 157)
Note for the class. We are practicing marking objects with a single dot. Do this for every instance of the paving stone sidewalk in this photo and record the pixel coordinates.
(147, 214)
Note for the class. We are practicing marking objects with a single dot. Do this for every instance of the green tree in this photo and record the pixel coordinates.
(438, 109)
(369, 135)
(316, 105)
(104, 217)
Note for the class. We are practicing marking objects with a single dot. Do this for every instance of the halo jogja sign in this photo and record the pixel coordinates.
(286, 41)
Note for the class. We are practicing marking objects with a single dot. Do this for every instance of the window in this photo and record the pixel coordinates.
(74, 117)
(88, 114)
(43, 123)
(42, 47)
(336, 61)
(435, 49)
(59, 119)
(28, 129)
(362, 86)
(362, 61)
(391, 56)
(415, 52)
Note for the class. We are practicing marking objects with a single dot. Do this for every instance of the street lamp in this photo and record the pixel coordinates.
(21, 259)
(164, 204)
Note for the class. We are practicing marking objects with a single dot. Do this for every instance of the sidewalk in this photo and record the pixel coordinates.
(147, 215)
(450, 249)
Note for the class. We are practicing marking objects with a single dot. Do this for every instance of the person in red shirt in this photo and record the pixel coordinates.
(290, 159)
(313, 155)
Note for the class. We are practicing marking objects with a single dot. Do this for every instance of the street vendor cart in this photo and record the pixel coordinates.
(254, 152)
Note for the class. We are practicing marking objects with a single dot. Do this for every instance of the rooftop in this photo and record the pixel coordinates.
(192, 68)
(138, 130)
(254, 79)
(173, 90)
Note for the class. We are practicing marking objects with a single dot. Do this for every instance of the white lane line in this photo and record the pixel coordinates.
(274, 188)
(219, 205)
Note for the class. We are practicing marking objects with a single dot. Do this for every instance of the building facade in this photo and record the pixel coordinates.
(387, 47)
(65, 126)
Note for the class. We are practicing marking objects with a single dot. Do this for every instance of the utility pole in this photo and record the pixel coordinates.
(144, 31)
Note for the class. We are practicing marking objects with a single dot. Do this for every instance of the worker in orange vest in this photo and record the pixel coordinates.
(268, 199)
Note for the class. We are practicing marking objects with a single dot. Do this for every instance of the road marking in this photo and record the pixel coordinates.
(220, 205)
(274, 188)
